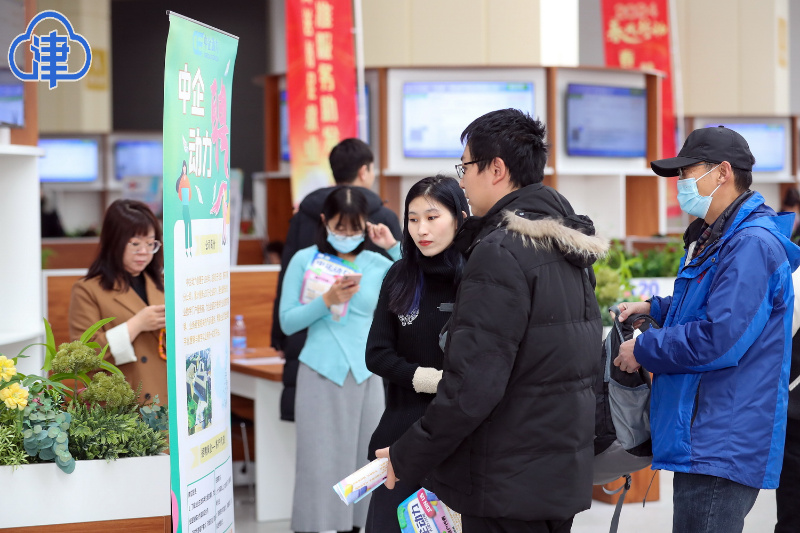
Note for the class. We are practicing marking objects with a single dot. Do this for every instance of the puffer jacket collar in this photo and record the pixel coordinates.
(543, 219)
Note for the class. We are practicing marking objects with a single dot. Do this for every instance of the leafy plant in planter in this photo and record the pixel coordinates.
(613, 279)
(12, 451)
(112, 432)
(71, 415)
(660, 262)
(45, 433)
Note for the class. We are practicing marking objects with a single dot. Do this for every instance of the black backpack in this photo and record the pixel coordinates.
(622, 443)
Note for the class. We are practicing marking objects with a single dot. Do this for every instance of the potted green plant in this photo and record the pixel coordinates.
(613, 275)
(80, 416)
(655, 269)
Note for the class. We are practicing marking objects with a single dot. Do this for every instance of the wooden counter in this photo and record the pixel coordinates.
(275, 439)
(268, 372)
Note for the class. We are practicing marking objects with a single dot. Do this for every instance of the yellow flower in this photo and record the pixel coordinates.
(14, 396)
(7, 368)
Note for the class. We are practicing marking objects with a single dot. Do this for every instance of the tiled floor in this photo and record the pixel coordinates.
(656, 517)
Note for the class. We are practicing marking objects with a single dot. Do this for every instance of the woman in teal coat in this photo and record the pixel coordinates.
(339, 401)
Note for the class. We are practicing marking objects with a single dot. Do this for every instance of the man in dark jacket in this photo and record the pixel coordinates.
(508, 439)
(788, 494)
(352, 164)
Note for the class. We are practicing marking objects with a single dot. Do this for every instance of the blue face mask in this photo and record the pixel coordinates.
(690, 199)
(344, 244)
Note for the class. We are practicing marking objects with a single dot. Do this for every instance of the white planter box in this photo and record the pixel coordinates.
(41, 494)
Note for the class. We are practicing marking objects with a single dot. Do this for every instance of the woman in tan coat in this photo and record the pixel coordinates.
(126, 281)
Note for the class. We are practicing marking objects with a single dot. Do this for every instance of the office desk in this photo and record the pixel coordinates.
(275, 439)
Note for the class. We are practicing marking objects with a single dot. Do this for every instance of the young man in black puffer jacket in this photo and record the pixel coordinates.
(508, 439)
(352, 164)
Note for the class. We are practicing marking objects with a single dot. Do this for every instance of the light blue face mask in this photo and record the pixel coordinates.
(690, 199)
(344, 244)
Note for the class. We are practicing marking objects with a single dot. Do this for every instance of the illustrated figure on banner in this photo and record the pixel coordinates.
(222, 200)
(184, 190)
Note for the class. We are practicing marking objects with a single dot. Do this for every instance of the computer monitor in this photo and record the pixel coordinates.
(69, 160)
(604, 121)
(767, 144)
(137, 157)
(436, 112)
(12, 100)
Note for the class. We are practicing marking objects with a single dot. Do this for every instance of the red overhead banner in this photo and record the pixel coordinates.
(637, 35)
(320, 88)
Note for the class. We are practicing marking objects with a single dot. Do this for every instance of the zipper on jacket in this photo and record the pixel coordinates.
(696, 402)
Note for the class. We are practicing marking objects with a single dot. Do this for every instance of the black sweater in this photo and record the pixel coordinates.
(397, 346)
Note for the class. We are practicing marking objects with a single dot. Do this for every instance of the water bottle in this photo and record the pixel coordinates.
(239, 336)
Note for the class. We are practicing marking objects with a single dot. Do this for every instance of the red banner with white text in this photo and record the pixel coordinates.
(637, 35)
(320, 88)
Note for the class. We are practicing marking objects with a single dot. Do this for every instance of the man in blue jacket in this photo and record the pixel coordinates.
(721, 360)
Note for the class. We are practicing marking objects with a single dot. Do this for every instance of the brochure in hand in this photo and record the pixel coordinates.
(321, 273)
(363, 481)
(423, 512)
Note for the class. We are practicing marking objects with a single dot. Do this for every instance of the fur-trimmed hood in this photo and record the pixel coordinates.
(573, 235)
(543, 219)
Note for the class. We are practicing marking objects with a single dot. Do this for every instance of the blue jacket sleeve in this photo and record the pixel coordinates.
(294, 315)
(659, 307)
(293, 239)
(736, 313)
(394, 252)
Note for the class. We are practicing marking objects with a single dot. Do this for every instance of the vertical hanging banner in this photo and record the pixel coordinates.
(198, 77)
(637, 35)
(320, 87)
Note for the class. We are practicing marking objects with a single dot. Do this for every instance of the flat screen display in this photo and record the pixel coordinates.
(137, 158)
(606, 121)
(767, 144)
(12, 100)
(436, 112)
(69, 160)
(284, 121)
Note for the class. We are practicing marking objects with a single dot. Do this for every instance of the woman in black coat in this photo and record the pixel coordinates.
(414, 304)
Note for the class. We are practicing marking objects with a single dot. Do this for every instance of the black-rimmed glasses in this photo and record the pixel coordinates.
(460, 167)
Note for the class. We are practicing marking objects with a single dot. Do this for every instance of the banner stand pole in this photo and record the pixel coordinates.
(358, 32)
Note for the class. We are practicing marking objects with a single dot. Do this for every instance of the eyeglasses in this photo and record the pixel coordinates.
(460, 167)
(682, 171)
(149, 247)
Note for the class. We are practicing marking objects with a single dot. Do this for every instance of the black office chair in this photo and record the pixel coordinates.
(244, 424)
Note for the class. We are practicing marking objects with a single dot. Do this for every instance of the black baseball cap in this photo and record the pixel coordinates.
(712, 145)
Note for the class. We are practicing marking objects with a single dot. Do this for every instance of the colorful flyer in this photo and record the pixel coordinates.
(423, 512)
(321, 273)
(198, 78)
(363, 481)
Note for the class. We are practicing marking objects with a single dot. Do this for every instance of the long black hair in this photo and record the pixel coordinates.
(351, 204)
(405, 280)
(125, 219)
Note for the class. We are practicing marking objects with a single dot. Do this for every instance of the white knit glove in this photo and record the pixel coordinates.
(426, 379)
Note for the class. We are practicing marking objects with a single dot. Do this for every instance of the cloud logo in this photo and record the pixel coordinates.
(50, 52)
